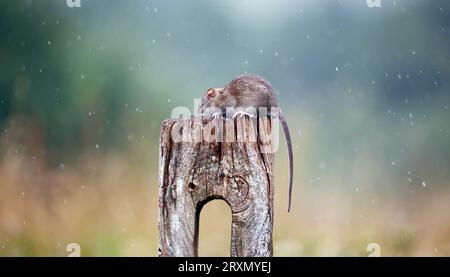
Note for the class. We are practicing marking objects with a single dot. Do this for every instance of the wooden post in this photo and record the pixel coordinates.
(226, 159)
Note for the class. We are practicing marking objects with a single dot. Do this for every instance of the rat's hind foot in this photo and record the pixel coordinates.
(242, 113)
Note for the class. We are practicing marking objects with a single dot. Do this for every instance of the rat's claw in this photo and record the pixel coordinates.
(216, 115)
(242, 113)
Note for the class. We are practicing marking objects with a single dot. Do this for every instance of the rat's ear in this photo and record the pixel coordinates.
(211, 92)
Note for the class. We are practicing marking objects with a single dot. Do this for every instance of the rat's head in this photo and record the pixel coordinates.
(218, 97)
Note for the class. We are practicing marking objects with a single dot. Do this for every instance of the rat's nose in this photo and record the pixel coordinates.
(211, 92)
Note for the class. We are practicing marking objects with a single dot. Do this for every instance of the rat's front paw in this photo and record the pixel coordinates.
(216, 115)
(242, 113)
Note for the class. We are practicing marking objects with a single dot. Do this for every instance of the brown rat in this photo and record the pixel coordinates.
(249, 91)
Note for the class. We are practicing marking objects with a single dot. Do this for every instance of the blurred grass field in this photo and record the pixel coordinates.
(108, 204)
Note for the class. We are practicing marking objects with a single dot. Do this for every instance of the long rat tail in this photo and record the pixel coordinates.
(290, 154)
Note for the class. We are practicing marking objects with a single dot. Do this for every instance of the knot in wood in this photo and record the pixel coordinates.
(192, 186)
(236, 189)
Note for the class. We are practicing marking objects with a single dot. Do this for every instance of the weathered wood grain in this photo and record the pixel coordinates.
(217, 159)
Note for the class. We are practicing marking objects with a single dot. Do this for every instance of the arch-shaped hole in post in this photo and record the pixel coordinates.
(214, 237)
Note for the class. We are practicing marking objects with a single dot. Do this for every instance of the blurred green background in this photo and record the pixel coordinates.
(365, 90)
